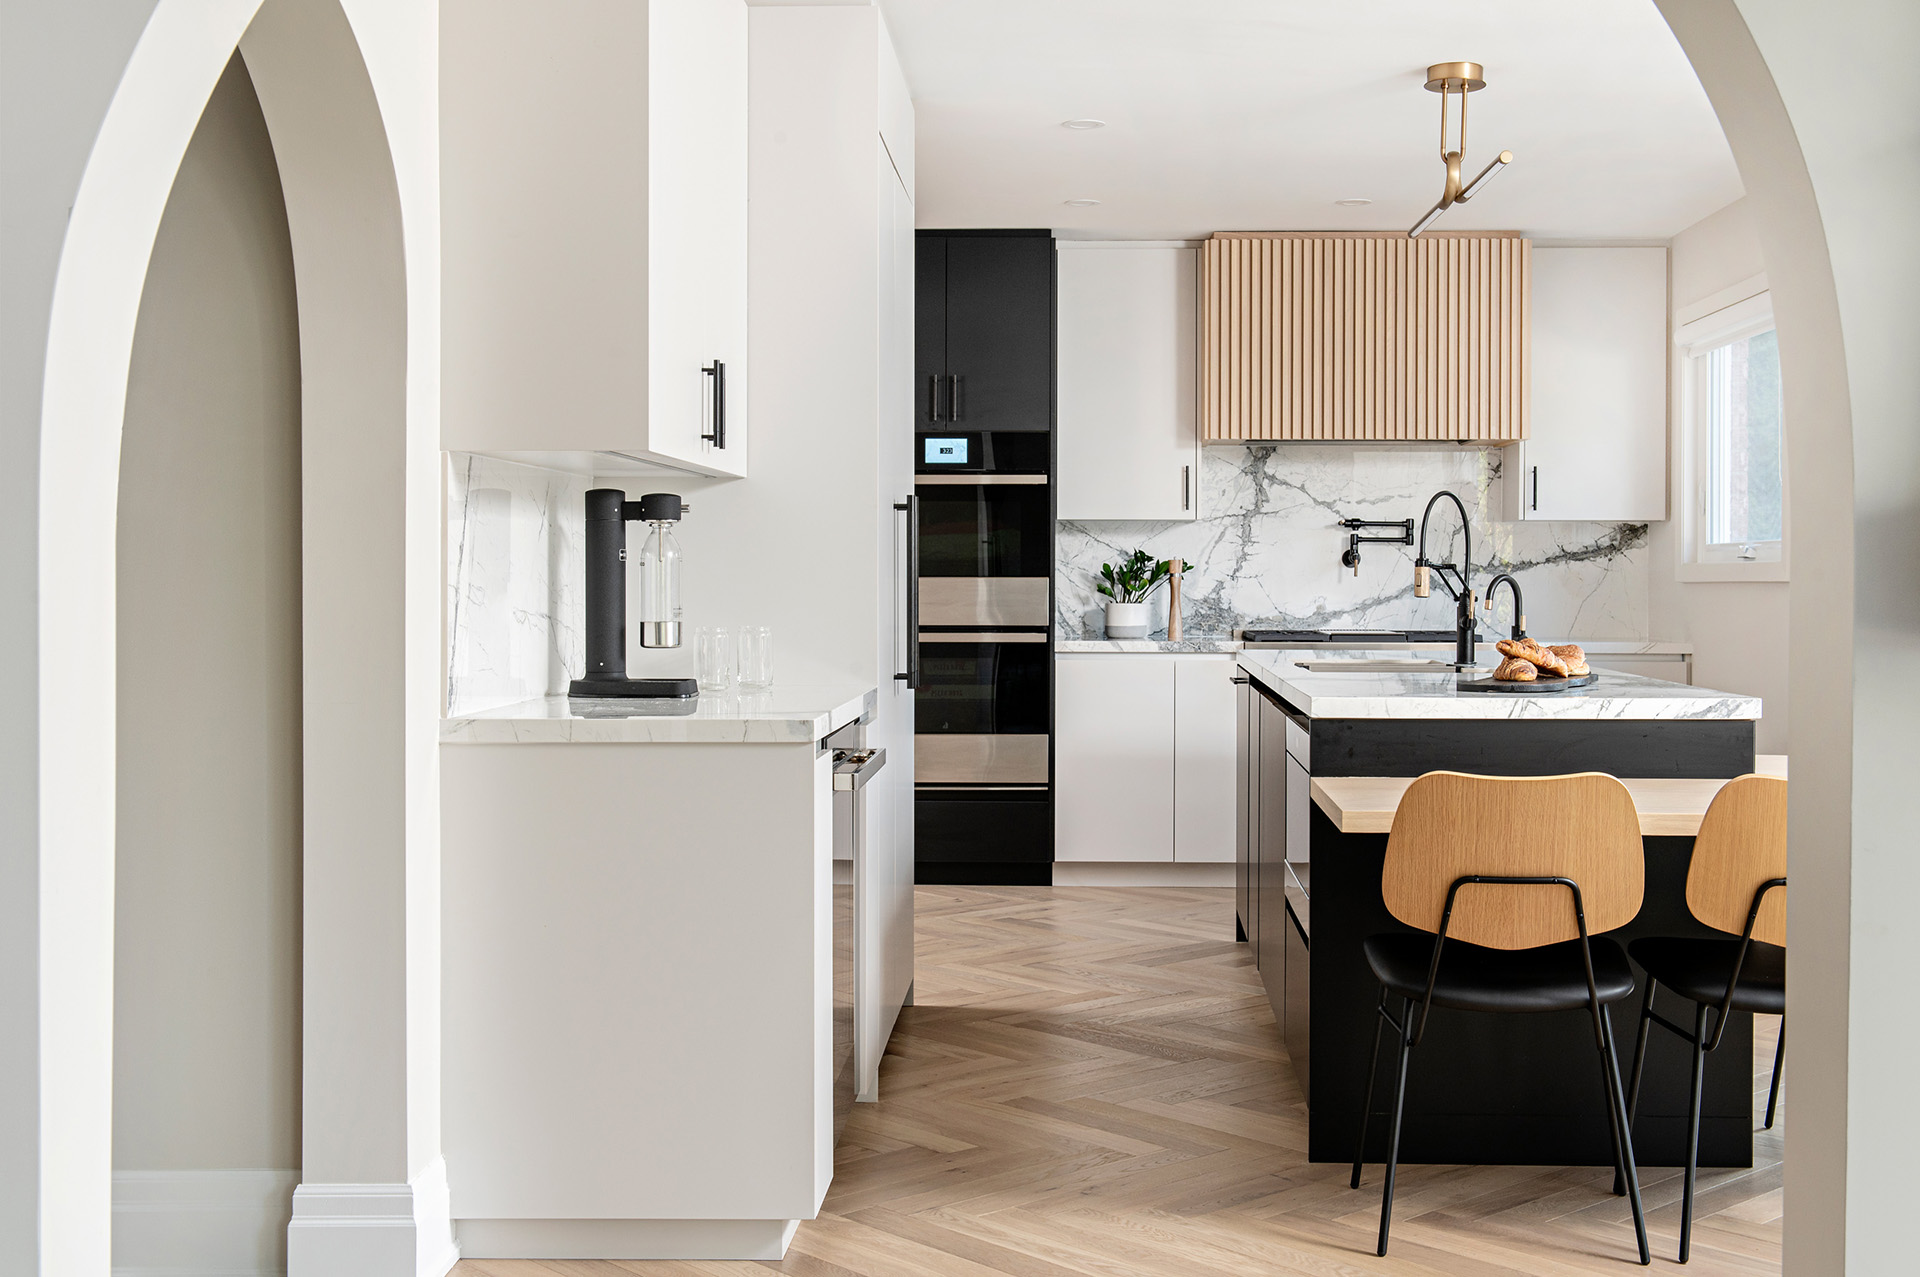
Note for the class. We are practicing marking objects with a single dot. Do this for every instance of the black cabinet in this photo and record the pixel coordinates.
(1269, 854)
(983, 330)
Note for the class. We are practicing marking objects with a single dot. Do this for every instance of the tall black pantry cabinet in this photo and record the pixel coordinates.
(983, 330)
(984, 362)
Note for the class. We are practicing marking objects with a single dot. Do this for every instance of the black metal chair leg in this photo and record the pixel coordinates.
(1613, 1127)
(1373, 1070)
(1693, 1128)
(1639, 1066)
(1399, 1107)
(1626, 1167)
(1779, 1058)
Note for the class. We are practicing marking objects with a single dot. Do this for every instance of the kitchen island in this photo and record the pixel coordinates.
(1484, 1088)
(652, 966)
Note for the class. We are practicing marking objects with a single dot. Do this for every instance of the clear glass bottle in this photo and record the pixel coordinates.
(659, 616)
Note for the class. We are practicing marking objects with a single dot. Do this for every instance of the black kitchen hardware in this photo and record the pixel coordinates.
(608, 512)
(1519, 608)
(983, 330)
(1465, 636)
(911, 675)
(1350, 557)
(718, 436)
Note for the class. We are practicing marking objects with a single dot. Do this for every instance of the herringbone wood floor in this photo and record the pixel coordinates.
(1092, 1086)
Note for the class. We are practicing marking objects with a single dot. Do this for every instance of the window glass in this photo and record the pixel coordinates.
(1743, 463)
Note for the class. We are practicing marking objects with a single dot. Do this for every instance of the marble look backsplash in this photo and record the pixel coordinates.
(515, 561)
(1266, 551)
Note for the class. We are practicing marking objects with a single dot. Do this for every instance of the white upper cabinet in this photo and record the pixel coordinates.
(594, 214)
(1597, 444)
(1127, 433)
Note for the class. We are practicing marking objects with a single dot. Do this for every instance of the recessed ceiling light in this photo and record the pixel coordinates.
(1353, 203)
(1081, 203)
(1083, 124)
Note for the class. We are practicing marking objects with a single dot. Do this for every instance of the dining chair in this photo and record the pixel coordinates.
(1737, 884)
(1507, 882)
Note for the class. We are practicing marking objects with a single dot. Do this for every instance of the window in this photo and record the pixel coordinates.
(1733, 448)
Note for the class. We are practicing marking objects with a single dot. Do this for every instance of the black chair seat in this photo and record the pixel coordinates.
(1550, 978)
(1700, 969)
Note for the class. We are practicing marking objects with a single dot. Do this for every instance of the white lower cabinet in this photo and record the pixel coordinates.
(1143, 758)
(1203, 759)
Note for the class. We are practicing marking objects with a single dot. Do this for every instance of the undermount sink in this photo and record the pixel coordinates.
(1364, 664)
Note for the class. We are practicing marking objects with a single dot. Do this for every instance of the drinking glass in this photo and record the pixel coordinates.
(756, 656)
(713, 657)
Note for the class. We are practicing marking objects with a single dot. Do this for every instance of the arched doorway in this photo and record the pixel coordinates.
(369, 534)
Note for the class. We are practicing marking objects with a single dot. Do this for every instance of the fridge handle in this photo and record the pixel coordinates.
(911, 675)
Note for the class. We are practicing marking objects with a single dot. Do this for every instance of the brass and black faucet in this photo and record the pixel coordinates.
(1519, 608)
(1465, 636)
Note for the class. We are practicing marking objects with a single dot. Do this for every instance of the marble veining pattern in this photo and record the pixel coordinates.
(515, 564)
(1410, 695)
(1266, 551)
(796, 715)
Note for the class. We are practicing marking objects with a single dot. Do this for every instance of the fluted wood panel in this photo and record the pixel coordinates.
(1365, 336)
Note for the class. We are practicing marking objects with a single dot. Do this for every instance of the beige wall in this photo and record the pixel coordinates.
(1738, 629)
(207, 903)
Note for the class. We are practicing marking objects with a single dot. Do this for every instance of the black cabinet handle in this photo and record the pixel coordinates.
(1536, 488)
(1186, 487)
(933, 396)
(956, 410)
(718, 371)
(911, 675)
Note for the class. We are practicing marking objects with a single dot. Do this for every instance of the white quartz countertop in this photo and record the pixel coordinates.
(781, 715)
(1203, 645)
(1398, 694)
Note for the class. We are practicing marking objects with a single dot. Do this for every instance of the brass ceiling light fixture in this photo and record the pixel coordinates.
(1446, 79)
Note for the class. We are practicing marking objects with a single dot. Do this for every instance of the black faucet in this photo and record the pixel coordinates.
(1519, 608)
(1465, 637)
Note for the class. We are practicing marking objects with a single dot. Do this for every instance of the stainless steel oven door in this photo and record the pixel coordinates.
(980, 716)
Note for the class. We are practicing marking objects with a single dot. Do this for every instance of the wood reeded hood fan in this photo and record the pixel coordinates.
(1446, 79)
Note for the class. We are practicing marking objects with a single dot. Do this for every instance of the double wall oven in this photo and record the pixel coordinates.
(984, 708)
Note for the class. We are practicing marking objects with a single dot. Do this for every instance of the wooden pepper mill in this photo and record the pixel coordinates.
(1173, 601)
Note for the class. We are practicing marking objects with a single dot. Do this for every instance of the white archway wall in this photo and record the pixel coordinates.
(112, 163)
(1829, 148)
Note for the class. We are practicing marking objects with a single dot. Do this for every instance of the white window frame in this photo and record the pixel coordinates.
(1745, 310)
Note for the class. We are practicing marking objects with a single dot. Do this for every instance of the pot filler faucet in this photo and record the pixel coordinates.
(608, 513)
(1458, 587)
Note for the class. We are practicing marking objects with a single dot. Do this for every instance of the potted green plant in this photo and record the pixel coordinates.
(1127, 586)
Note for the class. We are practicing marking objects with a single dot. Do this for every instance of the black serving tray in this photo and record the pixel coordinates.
(1539, 686)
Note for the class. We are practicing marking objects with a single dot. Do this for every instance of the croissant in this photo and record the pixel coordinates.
(1530, 651)
(1516, 670)
(1575, 658)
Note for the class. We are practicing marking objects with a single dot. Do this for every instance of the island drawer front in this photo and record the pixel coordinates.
(1703, 749)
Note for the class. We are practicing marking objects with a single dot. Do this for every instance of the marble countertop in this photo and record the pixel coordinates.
(781, 715)
(1397, 694)
(1215, 643)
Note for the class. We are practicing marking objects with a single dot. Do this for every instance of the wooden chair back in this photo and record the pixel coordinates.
(1450, 825)
(1742, 843)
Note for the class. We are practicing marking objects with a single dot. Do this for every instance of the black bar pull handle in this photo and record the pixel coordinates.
(955, 410)
(911, 675)
(933, 396)
(1536, 489)
(718, 371)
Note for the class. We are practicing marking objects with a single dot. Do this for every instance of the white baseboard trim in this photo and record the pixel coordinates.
(221, 1223)
(1103, 873)
(373, 1230)
(625, 1238)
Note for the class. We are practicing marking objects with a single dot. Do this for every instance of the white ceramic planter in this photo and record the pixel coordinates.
(1128, 620)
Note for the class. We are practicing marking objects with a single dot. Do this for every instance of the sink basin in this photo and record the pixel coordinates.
(1361, 665)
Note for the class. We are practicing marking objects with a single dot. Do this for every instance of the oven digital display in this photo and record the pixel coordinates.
(946, 452)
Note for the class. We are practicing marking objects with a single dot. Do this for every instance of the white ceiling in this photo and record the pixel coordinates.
(1259, 114)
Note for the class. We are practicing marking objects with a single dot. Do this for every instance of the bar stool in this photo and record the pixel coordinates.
(1508, 878)
(1739, 859)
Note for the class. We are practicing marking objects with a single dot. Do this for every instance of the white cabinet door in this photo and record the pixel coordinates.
(1113, 758)
(1204, 724)
(1127, 432)
(594, 227)
(1597, 429)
